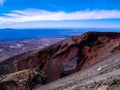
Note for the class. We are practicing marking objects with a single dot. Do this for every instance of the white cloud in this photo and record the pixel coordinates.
(2, 2)
(30, 15)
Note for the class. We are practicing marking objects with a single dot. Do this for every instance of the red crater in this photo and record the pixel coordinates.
(67, 56)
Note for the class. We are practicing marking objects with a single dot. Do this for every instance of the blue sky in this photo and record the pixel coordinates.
(59, 13)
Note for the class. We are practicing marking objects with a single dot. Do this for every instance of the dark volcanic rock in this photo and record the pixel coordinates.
(67, 56)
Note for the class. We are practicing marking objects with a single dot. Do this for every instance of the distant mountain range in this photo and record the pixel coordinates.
(23, 34)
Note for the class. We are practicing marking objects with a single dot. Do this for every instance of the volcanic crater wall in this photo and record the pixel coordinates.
(67, 56)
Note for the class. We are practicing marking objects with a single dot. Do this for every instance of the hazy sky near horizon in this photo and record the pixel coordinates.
(59, 13)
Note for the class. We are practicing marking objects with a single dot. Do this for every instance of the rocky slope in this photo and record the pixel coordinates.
(58, 60)
(102, 76)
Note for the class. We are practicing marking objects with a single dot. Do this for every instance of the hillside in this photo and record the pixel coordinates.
(106, 73)
(61, 59)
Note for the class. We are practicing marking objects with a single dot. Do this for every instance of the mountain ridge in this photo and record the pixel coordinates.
(65, 57)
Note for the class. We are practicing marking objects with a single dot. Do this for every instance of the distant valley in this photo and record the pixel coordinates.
(12, 48)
